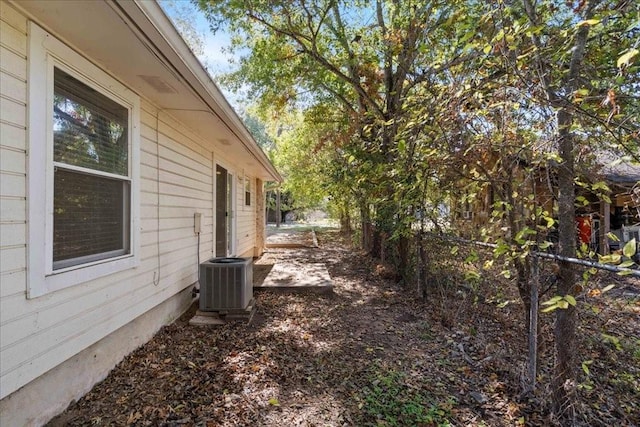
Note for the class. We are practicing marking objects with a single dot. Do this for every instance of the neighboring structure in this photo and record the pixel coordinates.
(622, 216)
(595, 218)
(116, 149)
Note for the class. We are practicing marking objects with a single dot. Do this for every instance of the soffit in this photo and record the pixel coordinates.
(121, 38)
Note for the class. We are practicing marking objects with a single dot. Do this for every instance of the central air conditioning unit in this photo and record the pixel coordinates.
(226, 284)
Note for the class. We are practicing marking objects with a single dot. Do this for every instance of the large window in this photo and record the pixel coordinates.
(91, 174)
(83, 141)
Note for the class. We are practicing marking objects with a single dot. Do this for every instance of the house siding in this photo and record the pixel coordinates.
(176, 181)
(13, 77)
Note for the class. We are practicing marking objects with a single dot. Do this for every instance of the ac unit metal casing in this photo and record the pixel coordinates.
(226, 284)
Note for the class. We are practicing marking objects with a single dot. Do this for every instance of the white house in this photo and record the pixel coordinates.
(114, 141)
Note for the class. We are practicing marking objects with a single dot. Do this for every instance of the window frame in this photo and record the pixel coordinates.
(247, 184)
(45, 53)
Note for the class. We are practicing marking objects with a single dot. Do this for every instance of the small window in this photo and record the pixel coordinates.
(247, 191)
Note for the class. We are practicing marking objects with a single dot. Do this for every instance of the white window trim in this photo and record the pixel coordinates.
(45, 51)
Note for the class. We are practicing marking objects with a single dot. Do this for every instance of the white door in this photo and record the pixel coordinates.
(225, 213)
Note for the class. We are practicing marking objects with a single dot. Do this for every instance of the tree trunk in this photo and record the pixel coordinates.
(403, 259)
(423, 260)
(533, 324)
(564, 379)
(523, 278)
(365, 224)
(515, 218)
(565, 327)
(345, 218)
(564, 383)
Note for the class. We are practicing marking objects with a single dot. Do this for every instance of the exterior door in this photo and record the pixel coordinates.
(230, 215)
(224, 212)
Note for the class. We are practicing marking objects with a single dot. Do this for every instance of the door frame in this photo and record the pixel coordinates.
(231, 210)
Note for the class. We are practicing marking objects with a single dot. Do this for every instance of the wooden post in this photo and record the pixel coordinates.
(278, 213)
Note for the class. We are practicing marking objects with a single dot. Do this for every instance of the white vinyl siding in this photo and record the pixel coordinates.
(176, 170)
(13, 213)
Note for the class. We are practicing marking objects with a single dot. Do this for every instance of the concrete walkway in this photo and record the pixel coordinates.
(288, 265)
(291, 236)
(292, 276)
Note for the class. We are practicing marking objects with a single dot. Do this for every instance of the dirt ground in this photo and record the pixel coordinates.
(372, 353)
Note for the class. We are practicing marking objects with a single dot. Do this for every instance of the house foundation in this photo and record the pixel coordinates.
(48, 395)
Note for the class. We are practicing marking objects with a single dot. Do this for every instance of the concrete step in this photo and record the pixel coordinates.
(216, 318)
(291, 276)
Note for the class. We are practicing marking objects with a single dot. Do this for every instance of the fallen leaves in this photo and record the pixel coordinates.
(320, 360)
(274, 402)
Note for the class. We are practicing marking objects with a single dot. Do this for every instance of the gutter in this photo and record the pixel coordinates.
(161, 33)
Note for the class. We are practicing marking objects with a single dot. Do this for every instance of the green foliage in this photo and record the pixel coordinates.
(612, 340)
(371, 138)
(629, 248)
(296, 158)
(557, 302)
(624, 260)
(389, 401)
(399, 135)
(498, 108)
(260, 133)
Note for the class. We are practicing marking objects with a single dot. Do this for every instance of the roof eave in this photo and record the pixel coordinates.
(187, 64)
